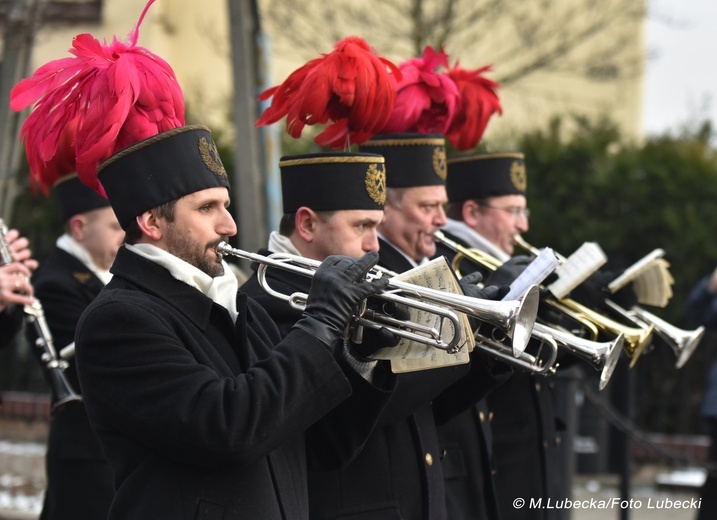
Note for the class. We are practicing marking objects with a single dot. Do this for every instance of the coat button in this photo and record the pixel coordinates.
(537, 387)
(558, 440)
(481, 415)
(429, 459)
(490, 416)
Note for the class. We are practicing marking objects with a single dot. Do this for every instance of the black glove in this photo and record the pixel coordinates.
(593, 292)
(490, 292)
(625, 297)
(337, 288)
(374, 340)
(509, 271)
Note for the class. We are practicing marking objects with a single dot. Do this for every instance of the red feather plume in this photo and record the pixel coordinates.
(118, 93)
(349, 88)
(479, 101)
(426, 99)
(46, 173)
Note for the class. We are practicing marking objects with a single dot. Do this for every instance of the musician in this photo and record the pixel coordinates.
(15, 287)
(333, 203)
(400, 470)
(79, 479)
(199, 405)
(487, 207)
(702, 306)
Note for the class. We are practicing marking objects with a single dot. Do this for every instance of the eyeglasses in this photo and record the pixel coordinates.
(515, 211)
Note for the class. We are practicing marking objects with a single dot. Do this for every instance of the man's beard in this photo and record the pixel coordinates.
(195, 254)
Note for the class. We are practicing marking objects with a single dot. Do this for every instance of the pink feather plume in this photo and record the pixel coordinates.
(426, 99)
(351, 89)
(479, 101)
(118, 93)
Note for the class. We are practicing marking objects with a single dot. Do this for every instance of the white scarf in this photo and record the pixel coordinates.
(71, 246)
(221, 289)
(471, 237)
(279, 243)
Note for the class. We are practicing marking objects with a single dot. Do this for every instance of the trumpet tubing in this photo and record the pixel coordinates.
(515, 317)
(533, 364)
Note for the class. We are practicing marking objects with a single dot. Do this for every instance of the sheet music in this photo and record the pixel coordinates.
(410, 355)
(650, 277)
(634, 270)
(654, 285)
(587, 259)
(537, 271)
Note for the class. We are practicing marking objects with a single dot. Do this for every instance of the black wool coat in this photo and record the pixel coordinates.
(10, 324)
(200, 417)
(398, 474)
(79, 479)
(526, 445)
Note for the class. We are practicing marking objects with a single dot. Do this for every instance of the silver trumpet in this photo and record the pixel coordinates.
(603, 356)
(682, 342)
(515, 318)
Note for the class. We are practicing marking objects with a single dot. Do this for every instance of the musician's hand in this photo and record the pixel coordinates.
(509, 271)
(337, 288)
(490, 292)
(14, 285)
(625, 297)
(375, 339)
(593, 292)
(20, 249)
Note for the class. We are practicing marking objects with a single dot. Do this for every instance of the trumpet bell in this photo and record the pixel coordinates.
(682, 342)
(524, 321)
(602, 356)
(687, 344)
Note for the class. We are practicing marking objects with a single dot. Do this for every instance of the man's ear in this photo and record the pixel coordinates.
(470, 211)
(305, 223)
(149, 224)
(76, 225)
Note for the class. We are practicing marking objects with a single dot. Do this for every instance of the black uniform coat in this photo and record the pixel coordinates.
(79, 479)
(526, 437)
(338, 437)
(467, 444)
(10, 324)
(398, 474)
(200, 417)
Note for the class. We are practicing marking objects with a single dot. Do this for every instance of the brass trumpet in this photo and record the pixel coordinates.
(682, 342)
(515, 317)
(601, 356)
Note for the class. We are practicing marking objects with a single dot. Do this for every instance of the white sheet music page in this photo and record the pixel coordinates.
(409, 355)
(537, 271)
(587, 259)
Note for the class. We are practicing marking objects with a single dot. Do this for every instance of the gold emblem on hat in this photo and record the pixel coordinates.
(210, 156)
(439, 162)
(376, 183)
(518, 175)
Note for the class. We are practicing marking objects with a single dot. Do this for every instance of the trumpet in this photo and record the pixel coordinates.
(602, 356)
(54, 366)
(682, 342)
(515, 317)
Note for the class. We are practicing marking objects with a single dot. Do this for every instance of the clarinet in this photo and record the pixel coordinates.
(54, 366)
